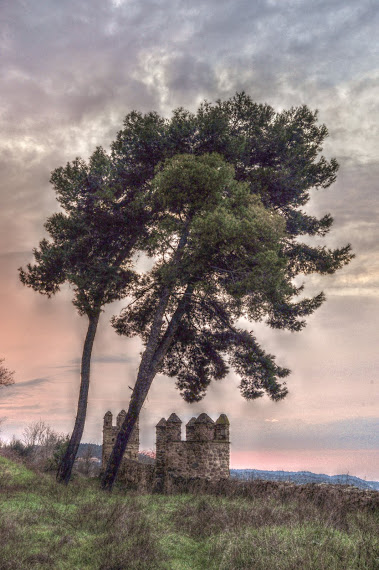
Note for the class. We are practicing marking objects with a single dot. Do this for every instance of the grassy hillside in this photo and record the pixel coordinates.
(256, 525)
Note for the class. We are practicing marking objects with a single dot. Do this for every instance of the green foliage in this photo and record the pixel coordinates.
(216, 198)
(188, 185)
(20, 449)
(81, 186)
(228, 183)
(276, 154)
(91, 243)
(59, 451)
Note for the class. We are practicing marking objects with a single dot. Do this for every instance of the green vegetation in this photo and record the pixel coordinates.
(256, 525)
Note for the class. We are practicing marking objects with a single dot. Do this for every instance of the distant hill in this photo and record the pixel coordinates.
(301, 477)
(97, 449)
(298, 477)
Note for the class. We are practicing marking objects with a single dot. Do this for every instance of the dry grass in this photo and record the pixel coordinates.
(46, 525)
(231, 525)
(262, 524)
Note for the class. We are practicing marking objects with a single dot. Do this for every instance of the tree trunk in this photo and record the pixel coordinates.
(152, 357)
(67, 462)
(149, 364)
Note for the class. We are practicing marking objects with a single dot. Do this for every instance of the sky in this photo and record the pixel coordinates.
(70, 72)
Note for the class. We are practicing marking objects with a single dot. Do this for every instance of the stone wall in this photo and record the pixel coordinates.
(137, 476)
(204, 454)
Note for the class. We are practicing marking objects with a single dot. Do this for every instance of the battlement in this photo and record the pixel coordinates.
(202, 428)
(204, 454)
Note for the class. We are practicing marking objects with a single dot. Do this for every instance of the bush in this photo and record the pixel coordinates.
(41, 447)
(60, 447)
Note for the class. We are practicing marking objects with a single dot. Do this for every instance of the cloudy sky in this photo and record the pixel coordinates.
(70, 72)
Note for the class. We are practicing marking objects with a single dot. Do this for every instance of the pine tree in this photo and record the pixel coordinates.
(90, 248)
(228, 187)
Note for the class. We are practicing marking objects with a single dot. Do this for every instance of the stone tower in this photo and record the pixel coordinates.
(109, 437)
(204, 454)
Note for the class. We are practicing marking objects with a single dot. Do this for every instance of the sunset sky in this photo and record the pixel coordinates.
(70, 72)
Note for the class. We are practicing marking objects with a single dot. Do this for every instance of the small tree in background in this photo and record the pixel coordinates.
(37, 446)
(86, 464)
(42, 441)
(6, 379)
(6, 376)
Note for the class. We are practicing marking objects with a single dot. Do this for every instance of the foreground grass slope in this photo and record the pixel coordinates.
(257, 525)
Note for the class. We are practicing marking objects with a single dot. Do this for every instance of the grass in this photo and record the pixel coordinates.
(256, 525)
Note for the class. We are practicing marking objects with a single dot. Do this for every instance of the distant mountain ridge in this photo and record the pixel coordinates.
(96, 451)
(302, 477)
(298, 477)
(94, 447)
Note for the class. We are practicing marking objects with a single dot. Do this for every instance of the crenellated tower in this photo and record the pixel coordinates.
(110, 433)
(204, 454)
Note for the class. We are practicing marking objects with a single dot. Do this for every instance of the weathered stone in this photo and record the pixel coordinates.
(162, 423)
(173, 428)
(120, 418)
(190, 429)
(222, 428)
(204, 454)
(137, 476)
(110, 433)
(174, 419)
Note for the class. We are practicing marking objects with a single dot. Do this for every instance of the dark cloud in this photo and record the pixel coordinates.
(21, 388)
(30, 383)
(68, 63)
(356, 433)
(27, 407)
(69, 367)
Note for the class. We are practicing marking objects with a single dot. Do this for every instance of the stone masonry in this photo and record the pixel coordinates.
(204, 454)
(109, 437)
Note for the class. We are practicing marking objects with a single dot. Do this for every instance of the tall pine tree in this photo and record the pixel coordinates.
(226, 241)
(90, 248)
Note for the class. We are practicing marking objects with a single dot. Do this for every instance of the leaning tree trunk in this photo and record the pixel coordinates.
(155, 351)
(67, 462)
